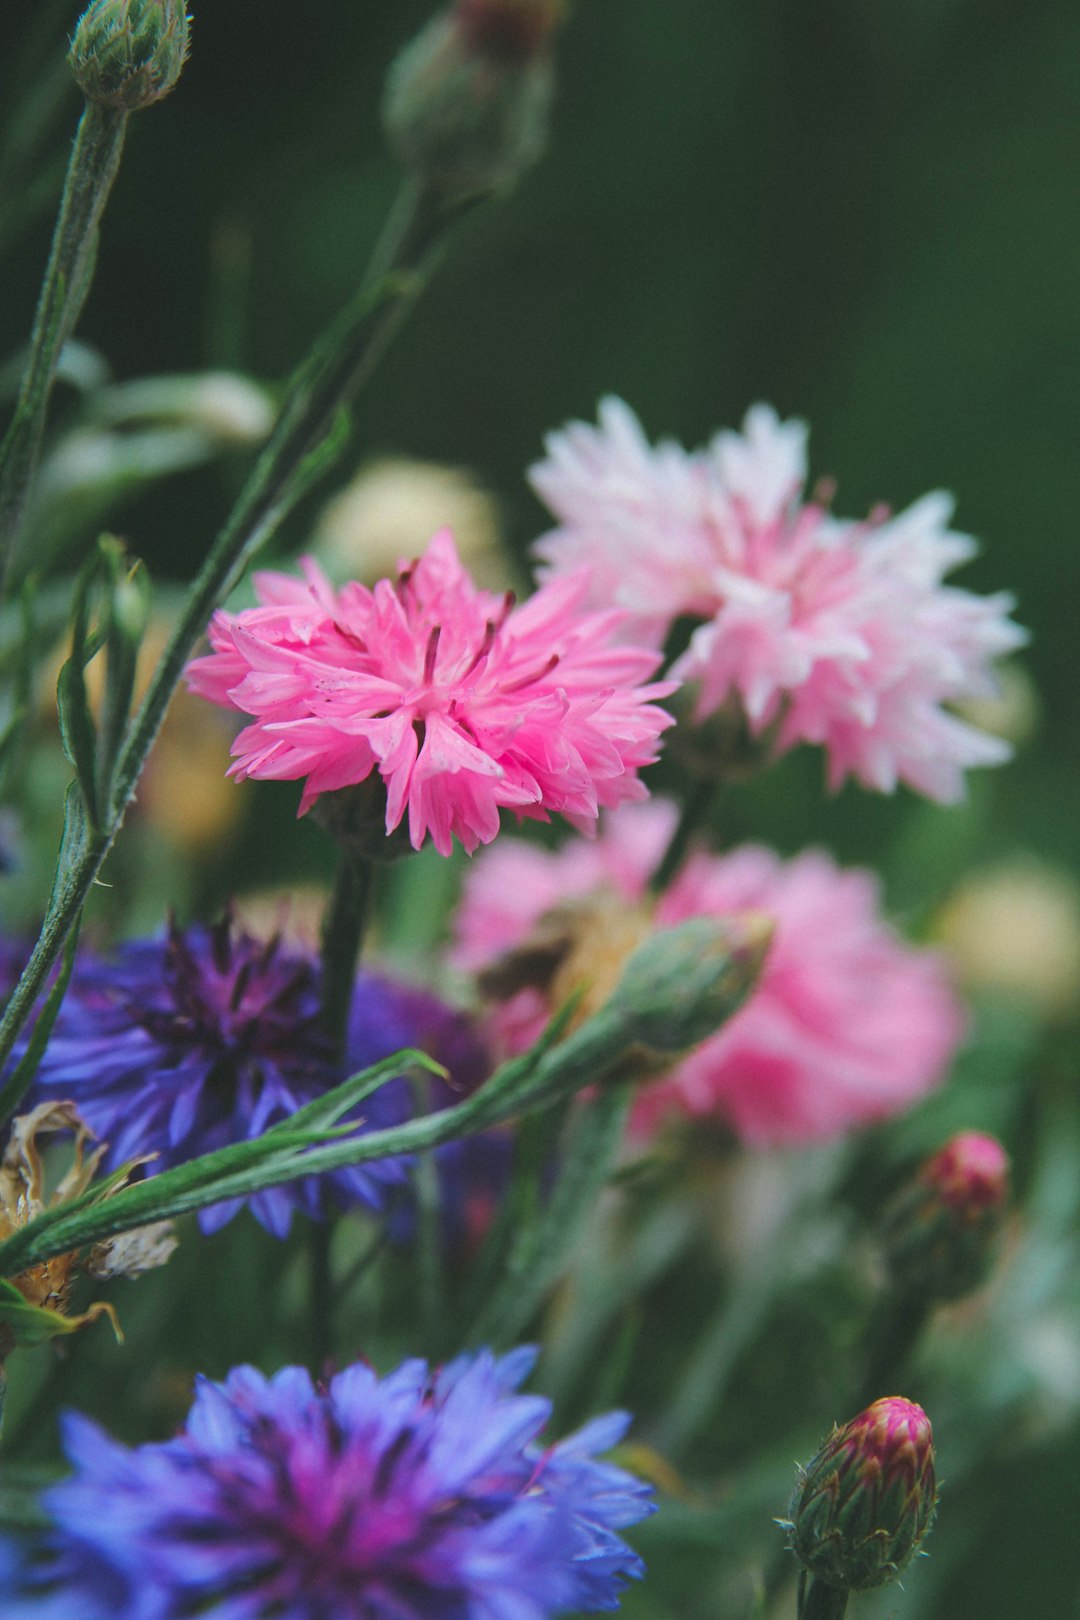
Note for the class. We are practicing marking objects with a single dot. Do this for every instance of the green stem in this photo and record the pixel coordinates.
(430, 1309)
(95, 158)
(299, 449)
(892, 1337)
(343, 932)
(545, 1244)
(820, 1602)
(321, 1296)
(726, 1337)
(342, 938)
(698, 802)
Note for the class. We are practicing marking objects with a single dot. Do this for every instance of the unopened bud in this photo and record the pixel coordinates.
(863, 1505)
(683, 983)
(467, 101)
(942, 1231)
(127, 54)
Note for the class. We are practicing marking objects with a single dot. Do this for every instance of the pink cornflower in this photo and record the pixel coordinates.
(837, 633)
(462, 702)
(848, 1024)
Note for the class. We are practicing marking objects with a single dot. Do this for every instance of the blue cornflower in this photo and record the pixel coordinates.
(208, 1036)
(425, 1495)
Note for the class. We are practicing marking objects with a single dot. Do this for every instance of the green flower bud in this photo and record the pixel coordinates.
(679, 987)
(127, 54)
(467, 101)
(863, 1505)
(942, 1232)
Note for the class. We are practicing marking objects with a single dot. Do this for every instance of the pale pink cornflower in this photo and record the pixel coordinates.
(836, 632)
(848, 1023)
(462, 702)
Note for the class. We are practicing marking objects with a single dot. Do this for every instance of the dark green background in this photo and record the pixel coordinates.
(863, 212)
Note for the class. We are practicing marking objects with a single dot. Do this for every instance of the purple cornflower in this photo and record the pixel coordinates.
(425, 1495)
(208, 1036)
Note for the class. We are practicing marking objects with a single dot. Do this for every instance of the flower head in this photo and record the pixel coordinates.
(425, 1495)
(943, 1230)
(864, 1503)
(127, 54)
(847, 1024)
(460, 702)
(208, 1036)
(830, 631)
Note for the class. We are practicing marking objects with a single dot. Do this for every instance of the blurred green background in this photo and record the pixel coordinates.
(864, 213)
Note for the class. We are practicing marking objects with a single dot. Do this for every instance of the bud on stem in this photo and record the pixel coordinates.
(863, 1505)
(942, 1231)
(467, 101)
(127, 54)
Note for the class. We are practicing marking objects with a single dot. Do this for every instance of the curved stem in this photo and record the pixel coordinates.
(95, 159)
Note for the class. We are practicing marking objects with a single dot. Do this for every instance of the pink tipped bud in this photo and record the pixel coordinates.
(942, 1231)
(515, 29)
(467, 101)
(863, 1505)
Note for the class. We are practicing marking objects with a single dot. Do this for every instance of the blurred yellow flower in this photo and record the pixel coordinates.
(1016, 929)
(391, 510)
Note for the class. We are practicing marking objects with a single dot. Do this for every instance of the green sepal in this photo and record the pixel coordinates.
(28, 1325)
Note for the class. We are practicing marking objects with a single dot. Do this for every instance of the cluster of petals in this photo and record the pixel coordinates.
(463, 703)
(424, 1495)
(847, 1025)
(834, 632)
(202, 1037)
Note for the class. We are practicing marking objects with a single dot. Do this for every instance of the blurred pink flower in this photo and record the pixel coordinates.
(848, 1025)
(462, 702)
(841, 633)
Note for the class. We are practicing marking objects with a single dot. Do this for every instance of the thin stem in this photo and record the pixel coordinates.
(95, 158)
(300, 448)
(342, 938)
(698, 803)
(343, 932)
(321, 1296)
(430, 1274)
(892, 1337)
(545, 1244)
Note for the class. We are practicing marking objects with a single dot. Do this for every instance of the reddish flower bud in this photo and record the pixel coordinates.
(516, 29)
(863, 1505)
(467, 101)
(942, 1231)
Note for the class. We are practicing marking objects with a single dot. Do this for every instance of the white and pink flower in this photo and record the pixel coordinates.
(838, 633)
